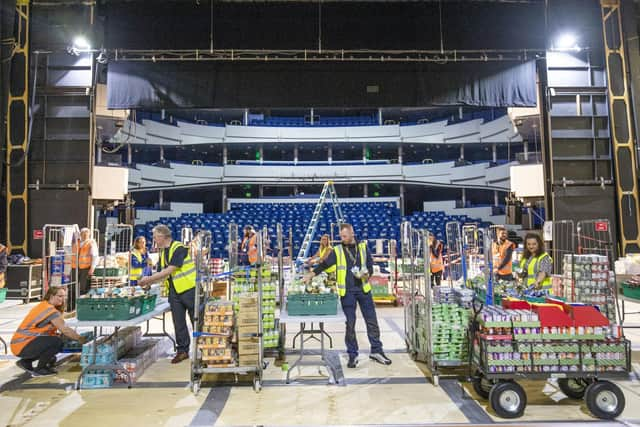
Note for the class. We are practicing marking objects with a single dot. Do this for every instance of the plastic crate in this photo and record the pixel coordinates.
(108, 308)
(379, 290)
(72, 346)
(3, 294)
(109, 272)
(627, 291)
(148, 303)
(312, 304)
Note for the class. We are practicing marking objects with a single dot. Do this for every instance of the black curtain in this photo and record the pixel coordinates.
(300, 84)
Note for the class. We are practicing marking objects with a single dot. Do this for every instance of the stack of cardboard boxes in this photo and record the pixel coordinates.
(216, 348)
(248, 329)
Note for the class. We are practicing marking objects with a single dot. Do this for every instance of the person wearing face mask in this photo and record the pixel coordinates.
(354, 265)
(536, 265)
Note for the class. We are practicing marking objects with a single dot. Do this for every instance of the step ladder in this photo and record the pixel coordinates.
(327, 190)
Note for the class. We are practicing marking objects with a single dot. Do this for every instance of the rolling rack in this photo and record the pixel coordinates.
(118, 239)
(594, 238)
(411, 246)
(57, 252)
(431, 334)
(199, 365)
(455, 265)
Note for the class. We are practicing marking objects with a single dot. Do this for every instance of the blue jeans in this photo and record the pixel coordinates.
(368, 309)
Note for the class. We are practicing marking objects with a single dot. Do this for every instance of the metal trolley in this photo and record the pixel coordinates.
(588, 380)
(58, 245)
(202, 245)
(118, 239)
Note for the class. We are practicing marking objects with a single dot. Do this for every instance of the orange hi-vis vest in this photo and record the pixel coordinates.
(36, 324)
(501, 253)
(249, 245)
(84, 255)
(3, 249)
(437, 264)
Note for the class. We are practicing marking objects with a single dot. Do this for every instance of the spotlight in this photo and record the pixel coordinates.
(81, 43)
(567, 41)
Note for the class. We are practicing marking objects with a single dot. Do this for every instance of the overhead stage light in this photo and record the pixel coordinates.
(81, 43)
(567, 41)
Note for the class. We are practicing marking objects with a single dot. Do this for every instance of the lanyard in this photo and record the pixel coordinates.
(351, 256)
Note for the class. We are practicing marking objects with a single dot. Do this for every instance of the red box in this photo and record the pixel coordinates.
(553, 316)
(588, 316)
(515, 304)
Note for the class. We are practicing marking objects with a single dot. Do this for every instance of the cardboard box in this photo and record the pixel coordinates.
(247, 331)
(249, 360)
(248, 346)
(248, 300)
(247, 318)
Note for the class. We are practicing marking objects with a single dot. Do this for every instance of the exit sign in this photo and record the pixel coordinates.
(602, 226)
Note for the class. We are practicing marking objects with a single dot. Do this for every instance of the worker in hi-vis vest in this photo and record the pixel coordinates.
(323, 252)
(248, 247)
(3, 264)
(536, 265)
(502, 255)
(179, 270)
(436, 265)
(354, 265)
(87, 259)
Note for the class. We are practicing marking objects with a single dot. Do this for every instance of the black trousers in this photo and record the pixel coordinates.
(83, 281)
(43, 349)
(436, 278)
(181, 304)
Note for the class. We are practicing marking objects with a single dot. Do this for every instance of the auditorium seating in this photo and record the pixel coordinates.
(371, 220)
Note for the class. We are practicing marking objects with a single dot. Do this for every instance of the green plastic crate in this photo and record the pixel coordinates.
(148, 303)
(312, 304)
(3, 294)
(109, 272)
(109, 308)
(379, 290)
(631, 292)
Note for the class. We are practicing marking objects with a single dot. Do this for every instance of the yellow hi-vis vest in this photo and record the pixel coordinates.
(136, 273)
(323, 253)
(341, 265)
(184, 278)
(533, 269)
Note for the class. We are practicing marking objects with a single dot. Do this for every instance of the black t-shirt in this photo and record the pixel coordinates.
(176, 260)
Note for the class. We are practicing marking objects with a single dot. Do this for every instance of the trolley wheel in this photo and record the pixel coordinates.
(605, 400)
(574, 387)
(482, 386)
(257, 384)
(508, 399)
(195, 387)
(436, 380)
